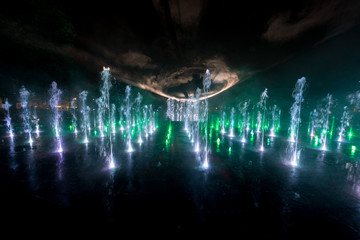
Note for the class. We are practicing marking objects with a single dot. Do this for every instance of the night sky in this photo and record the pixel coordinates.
(166, 46)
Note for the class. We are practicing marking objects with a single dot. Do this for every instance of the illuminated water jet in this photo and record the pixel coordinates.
(84, 110)
(25, 115)
(295, 120)
(261, 116)
(9, 126)
(54, 102)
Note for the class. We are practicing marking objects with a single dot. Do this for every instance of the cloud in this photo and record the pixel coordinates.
(336, 16)
(136, 59)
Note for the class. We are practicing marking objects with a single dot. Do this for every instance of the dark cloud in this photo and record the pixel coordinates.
(336, 16)
(165, 46)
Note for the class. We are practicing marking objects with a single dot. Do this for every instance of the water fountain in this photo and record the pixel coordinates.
(105, 114)
(232, 121)
(275, 119)
(206, 87)
(170, 113)
(112, 118)
(35, 119)
(84, 110)
(196, 128)
(9, 126)
(73, 114)
(138, 114)
(324, 120)
(223, 122)
(54, 103)
(344, 123)
(295, 120)
(152, 119)
(128, 117)
(244, 119)
(121, 120)
(261, 116)
(25, 115)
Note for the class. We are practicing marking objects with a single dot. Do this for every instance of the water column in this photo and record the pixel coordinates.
(206, 87)
(128, 117)
(275, 118)
(244, 120)
(54, 101)
(85, 110)
(138, 114)
(73, 114)
(7, 106)
(25, 115)
(325, 114)
(112, 119)
(152, 119)
(36, 119)
(232, 113)
(344, 123)
(295, 120)
(196, 130)
(104, 103)
(261, 116)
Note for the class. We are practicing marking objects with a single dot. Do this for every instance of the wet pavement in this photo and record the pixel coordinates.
(161, 190)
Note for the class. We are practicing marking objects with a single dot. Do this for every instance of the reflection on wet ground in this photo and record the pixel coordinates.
(160, 188)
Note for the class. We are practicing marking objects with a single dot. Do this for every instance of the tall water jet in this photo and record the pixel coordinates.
(121, 120)
(232, 121)
(36, 119)
(325, 114)
(112, 118)
(244, 119)
(314, 122)
(196, 129)
(138, 114)
(128, 117)
(261, 116)
(187, 116)
(105, 114)
(73, 114)
(54, 101)
(170, 109)
(206, 87)
(344, 123)
(152, 119)
(84, 110)
(275, 117)
(295, 120)
(25, 115)
(223, 122)
(7, 106)
(100, 117)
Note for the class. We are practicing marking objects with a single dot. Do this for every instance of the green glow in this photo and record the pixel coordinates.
(229, 150)
(268, 142)
(218, 141)
(350, 133)
(353, 149)
(167, 145)
(252, 138)
(316, 141)
(332, 126)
